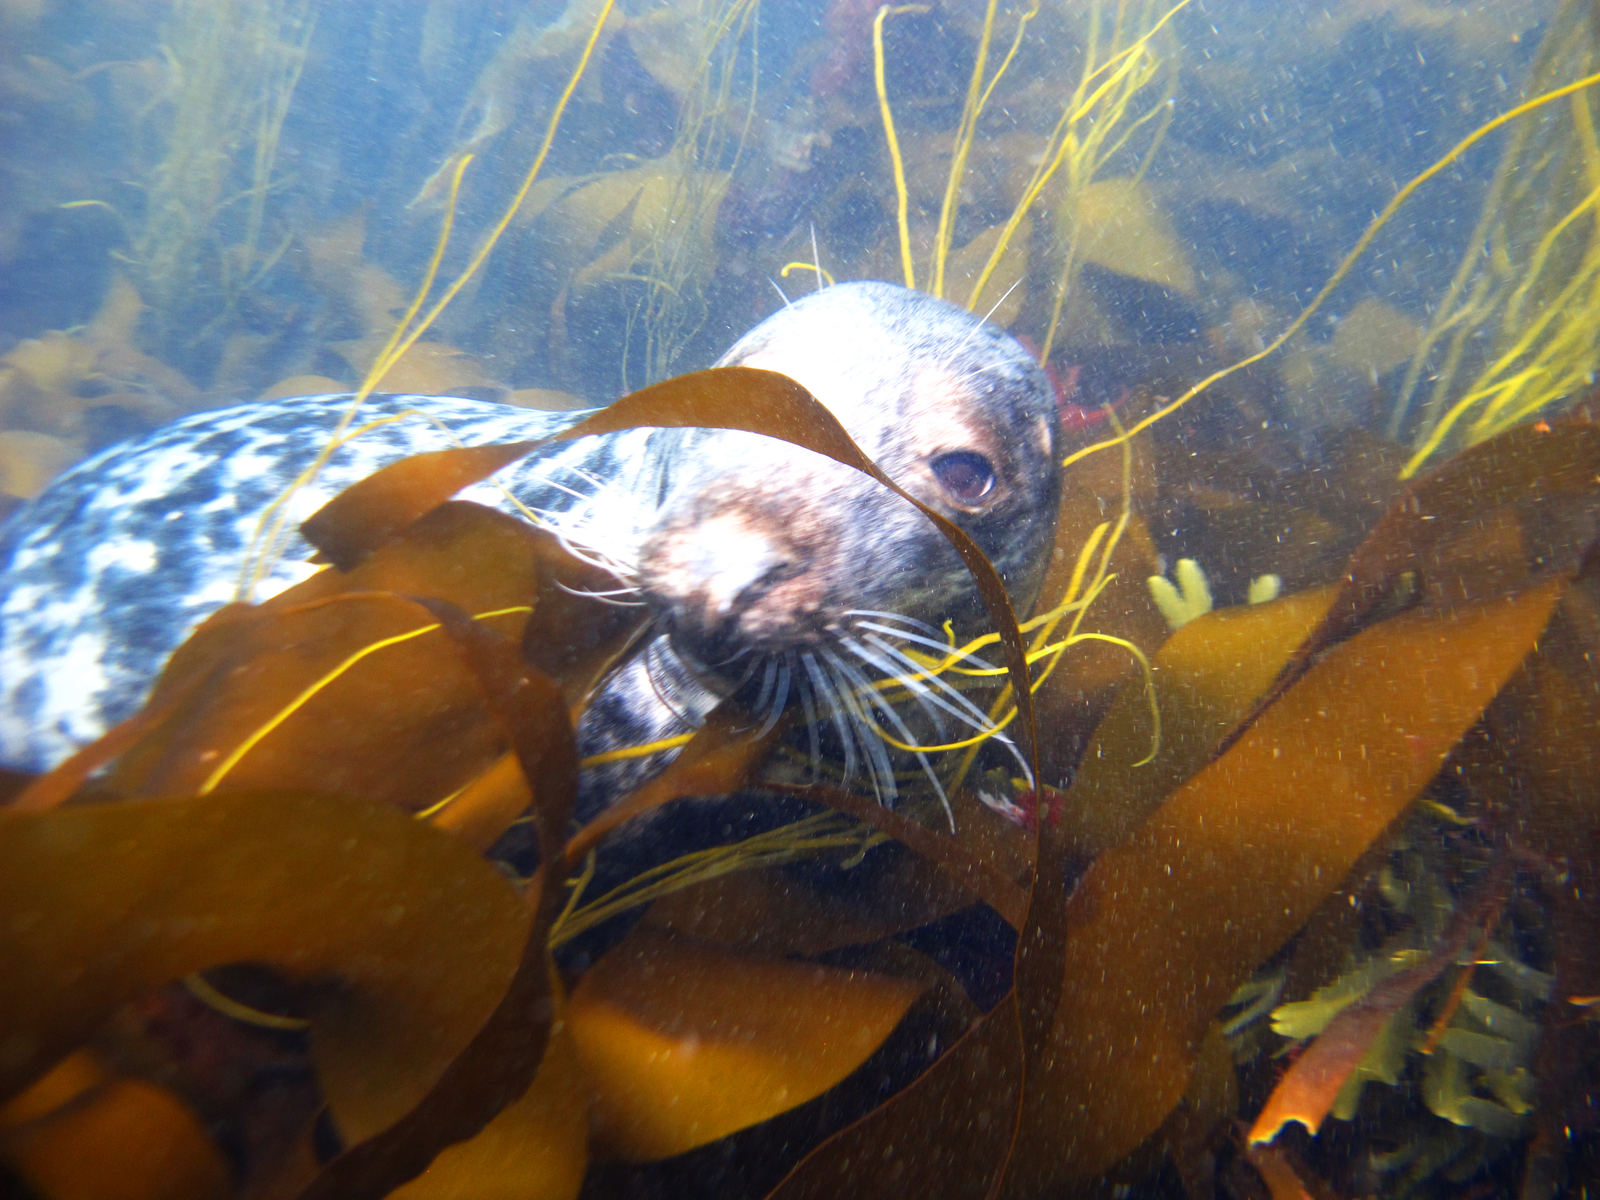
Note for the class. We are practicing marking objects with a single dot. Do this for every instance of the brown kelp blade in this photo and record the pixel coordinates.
(1207, 677)
(1163, 927)
(367, 514)
(1307, 1092)
(685, 1042)
(497, 1067)
(353, 693)
(106, 901)
(536, 1148)
(1501, 516)
(983, 879)
(718, 759)
(946, 1135)
(325, 686)
(768, 403)
(331, 688)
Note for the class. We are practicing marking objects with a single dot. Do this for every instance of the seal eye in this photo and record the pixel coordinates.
(966, 476)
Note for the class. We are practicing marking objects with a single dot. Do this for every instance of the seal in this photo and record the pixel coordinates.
(769, 571)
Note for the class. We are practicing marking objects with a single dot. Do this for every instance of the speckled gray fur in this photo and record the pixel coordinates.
(109, 570)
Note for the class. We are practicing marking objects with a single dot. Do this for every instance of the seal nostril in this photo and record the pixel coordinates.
(778, 572)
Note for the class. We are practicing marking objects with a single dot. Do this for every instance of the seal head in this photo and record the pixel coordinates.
(761, 547)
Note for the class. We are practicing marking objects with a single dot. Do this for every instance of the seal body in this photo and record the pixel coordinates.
(766, 567)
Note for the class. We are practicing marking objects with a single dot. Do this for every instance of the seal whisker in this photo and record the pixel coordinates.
(938, 687)
(881, 703)
(826, 695)
(767, 679)
(656, 673)
(983, 320)
(780, 700)
(946, 648)
(892, 616)
(880, 771)
(967, 712)
(738, 683)
(787, 303)
(595, 558)
(894, 673)
(604, 597)
(808, 703)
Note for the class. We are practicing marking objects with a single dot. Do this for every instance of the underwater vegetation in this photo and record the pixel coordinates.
(1304, 897)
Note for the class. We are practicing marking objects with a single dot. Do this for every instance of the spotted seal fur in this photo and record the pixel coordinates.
(767, 568)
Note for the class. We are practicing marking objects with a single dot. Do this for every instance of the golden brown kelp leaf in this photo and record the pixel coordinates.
(1307, 1092)
(84, 1132)
(498, 1066)
(1165, 926)
(767, 911)
(1518, 508)
(403, 723)
(575, 640)
(684, 1042)
(1207, 676)
(537, 1148)
(980, 875)
(106, 901)
(768, 403)
(719, 758)
(946, 1135)
(1279, 1172)
(367, 514)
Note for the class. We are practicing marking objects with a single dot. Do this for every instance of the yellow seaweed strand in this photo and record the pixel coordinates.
(389, 355)
(299, 702)
(266, 544)
(1457, 411)
(966, 136)
(405, 341)
(626, 752)
(482, 253)
(1344, 268)
(202, 990)
(1465, 315)
(902, 199)
(963, 143)
(1064, 147)
(1041, 647)
(809, 836)
(1552, 354)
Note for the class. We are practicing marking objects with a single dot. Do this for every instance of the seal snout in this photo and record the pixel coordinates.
(728, 583)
